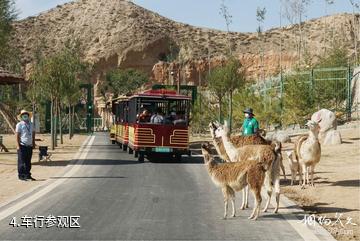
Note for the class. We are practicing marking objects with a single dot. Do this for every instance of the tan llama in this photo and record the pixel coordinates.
(308, 152)
(233, 177)
(261, 153)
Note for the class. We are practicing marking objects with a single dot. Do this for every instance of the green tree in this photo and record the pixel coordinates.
(225, 80)
(337, 56)
(298, 102)
(57, 78)
(260, 17)
(217, 87)
(224, 12)
(9, 57)
(122, 82)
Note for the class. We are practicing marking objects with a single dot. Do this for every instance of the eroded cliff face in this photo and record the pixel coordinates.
(121, 34)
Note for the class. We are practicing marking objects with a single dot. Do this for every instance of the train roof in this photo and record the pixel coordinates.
(120, 98)
(161, 94)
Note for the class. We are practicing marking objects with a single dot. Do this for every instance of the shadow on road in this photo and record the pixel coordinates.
(101, 177)
(185, 160)
(316, 208)
(347, 183)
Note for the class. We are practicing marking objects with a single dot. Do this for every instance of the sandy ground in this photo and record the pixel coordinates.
(42, 171)
(336, 192)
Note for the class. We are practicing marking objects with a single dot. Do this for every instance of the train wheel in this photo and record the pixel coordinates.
(141, 157)
(136, 155)
(178, 157)
(130, 151)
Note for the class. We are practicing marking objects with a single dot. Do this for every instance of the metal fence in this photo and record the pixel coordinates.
(329, 88)
(326, 87)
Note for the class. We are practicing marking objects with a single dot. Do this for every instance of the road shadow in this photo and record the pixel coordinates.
(109, 162)
(51, 163)
(171, 160)
(354, 138)
(92, 177)
(347, 183)
(322, 208)
(87, 162)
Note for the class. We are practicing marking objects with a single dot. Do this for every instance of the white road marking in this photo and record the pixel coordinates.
(80, 156)
(307, 232)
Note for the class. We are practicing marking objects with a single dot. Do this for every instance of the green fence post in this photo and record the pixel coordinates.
(312, 85)
(348, 105)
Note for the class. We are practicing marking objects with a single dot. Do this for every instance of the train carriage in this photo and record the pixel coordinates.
(120, 110)
(169, 136)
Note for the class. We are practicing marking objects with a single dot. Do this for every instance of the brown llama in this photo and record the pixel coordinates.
(234, 176)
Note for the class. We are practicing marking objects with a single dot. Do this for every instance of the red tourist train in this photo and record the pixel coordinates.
(152, 124)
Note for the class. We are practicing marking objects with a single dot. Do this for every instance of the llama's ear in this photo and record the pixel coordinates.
(319, 120)
(213, 125)
(226, 123)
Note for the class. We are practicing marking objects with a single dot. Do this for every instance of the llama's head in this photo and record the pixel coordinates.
(222, 130)
(206, 149)
(213, 126)
(314, 126)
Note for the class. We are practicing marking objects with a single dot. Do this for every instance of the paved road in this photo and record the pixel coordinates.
(117, 198)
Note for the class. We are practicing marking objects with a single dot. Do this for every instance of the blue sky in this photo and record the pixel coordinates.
(205, 13)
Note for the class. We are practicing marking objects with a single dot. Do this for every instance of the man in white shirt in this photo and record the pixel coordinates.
(158, 117)
(25, 140)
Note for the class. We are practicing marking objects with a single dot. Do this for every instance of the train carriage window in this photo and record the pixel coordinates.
(166, 111)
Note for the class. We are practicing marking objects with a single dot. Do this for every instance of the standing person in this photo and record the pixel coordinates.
(25, 141)
(250, 125)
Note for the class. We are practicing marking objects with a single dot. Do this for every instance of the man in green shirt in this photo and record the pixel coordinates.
(250, 125)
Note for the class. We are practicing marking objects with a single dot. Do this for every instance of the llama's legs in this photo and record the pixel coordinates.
(255, 182)
(300, 175)
(256, 210)
(312, 169)
(293, 177)
(268, 186)
(307, 175)
(225, 208)
(304, 169)
(226, 198)
(269, 193)
(245, 194)
(277, 193)
(282, 167)
(229, 194)
(233, 207)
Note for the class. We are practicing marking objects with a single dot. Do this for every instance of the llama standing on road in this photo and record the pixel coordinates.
(237, 141)
(269, 155)
(232, 177)
(308, 152)
(294, 166)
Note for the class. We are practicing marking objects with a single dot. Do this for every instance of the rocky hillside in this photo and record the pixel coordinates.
(118, 33)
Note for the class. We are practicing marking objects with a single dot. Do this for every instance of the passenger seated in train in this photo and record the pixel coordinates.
(144, 116)
(179, 118)
(158, 117)
(171, 118)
